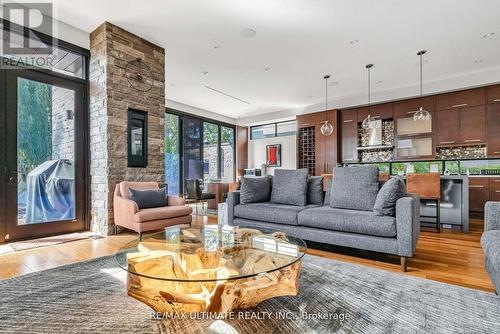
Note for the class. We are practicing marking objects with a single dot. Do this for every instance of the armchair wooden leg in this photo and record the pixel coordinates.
(404, 263)
(140, 236)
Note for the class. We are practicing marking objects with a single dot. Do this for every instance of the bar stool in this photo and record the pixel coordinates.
(428, 187)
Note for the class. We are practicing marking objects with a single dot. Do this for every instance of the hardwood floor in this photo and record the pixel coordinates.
(450, 257)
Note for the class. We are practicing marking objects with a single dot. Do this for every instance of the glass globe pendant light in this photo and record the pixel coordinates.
(368, 120)
(421, 114)
(327, 127)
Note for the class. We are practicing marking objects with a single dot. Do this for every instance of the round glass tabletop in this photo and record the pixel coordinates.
(210, 253)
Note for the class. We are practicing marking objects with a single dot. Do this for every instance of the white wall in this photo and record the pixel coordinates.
(257, 152)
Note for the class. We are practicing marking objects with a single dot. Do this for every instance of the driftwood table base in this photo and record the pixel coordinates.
(219, 297)
(219, 281)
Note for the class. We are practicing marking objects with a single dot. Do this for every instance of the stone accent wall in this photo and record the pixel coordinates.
(111, 95)
(63, 134)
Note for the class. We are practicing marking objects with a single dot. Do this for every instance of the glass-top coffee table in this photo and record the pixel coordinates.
(212, 268)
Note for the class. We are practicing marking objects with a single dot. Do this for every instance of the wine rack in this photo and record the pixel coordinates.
(307, 145)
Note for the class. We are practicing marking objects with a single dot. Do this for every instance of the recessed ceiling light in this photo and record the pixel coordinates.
(217, 46)
(353, 41)
(267, 69)
(489, 34)
(205, 72)
(477, 61)
(248, 33)
(333, 83)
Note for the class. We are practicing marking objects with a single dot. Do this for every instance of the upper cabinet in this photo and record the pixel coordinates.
(349, 135)
(408, 107)
(448, 127)
(473, 125)
(493, 130)
(493, 94)
(464, 98)
(306, 120)
(461, 118)
(378, 111)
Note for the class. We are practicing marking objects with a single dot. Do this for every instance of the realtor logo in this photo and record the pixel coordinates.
(30, 16)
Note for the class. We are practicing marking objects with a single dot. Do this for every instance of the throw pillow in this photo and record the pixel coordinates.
(255, 189)
(391, 191)
(354, 188)
(149, 198)
(290, 187)
(315, 190)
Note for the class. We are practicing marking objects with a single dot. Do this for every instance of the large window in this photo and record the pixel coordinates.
(197, 148)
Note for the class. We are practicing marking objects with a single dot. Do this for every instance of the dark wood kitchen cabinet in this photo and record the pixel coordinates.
(348, 124)
(461, 126)
(493, 94)
(473, 125)
(305, 120)
(493, 130)
(379, 111)
(479, 193)
(447, 127)
(408, 107)
(464, 98)
(326, 146)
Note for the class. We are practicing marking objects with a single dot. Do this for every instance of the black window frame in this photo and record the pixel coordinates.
(9, 26)
(220, 124)
(266, 124)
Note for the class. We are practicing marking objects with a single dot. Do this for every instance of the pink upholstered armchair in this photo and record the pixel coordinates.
(128, 215)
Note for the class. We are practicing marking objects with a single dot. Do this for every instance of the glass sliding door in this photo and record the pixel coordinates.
(44, 128)
(172, 154)
(210, 151)
(227, 154)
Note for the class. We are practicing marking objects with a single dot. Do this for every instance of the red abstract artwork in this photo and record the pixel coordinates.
(273, 155)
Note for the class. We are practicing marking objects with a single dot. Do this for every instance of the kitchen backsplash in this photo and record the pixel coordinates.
(465, 152)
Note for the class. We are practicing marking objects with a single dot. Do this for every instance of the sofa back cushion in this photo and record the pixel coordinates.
(255, 189)
(328, 192)
(315, 194)
(388, 195)
(354, 188)
(290, 187)
(148, 198)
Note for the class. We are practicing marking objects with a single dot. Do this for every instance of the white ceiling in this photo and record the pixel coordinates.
(300, 41)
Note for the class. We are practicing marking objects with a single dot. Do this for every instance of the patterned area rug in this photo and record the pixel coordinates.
(334, 297)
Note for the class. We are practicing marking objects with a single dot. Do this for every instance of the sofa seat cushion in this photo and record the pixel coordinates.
(269, 212)
(165, 212)
(345, 220)
(490, 241)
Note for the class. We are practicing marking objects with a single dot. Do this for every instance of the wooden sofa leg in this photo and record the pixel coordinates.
(404, 263)
(140, 236)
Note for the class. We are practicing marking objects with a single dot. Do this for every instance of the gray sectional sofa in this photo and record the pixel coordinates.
(347, 225)
(490, 241)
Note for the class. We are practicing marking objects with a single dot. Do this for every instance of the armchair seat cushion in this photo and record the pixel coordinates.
(164, 212)
(490, 241)
(351, 221)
